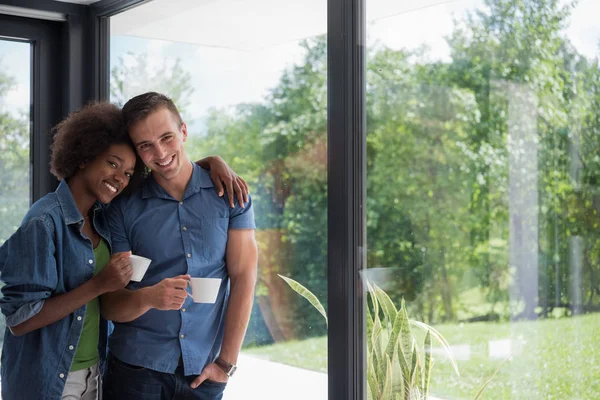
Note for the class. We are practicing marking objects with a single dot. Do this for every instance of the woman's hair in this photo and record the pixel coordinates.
(84, 135)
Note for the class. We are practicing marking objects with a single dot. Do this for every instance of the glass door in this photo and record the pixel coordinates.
(15, 134)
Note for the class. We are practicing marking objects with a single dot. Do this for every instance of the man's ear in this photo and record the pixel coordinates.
(184, 131)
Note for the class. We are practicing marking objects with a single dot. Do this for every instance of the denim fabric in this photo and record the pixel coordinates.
(128, 382)
(47, 256)
(188, 236)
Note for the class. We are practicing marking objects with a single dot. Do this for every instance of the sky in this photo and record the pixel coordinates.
(228, 68)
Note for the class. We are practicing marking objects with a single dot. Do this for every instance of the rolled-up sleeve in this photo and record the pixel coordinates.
(242, 218)
(27, 271)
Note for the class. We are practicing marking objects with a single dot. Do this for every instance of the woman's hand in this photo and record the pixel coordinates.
(225, 178)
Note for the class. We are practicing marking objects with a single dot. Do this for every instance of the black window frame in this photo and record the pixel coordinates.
(44, 40)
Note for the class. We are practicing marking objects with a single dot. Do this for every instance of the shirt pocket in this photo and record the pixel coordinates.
(214, 238)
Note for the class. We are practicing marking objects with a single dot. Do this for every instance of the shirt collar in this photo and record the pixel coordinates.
(200, 180)
(68, 206)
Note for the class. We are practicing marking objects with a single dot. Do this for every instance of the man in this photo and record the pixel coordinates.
(165, 346)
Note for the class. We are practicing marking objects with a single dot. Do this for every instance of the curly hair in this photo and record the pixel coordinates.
(84, 135)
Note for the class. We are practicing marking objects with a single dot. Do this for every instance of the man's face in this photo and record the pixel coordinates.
(159, 139)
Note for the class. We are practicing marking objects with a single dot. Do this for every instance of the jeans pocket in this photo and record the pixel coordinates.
(121, 364)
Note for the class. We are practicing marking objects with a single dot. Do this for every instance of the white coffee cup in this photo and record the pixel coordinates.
(139, 265)
(205, 290)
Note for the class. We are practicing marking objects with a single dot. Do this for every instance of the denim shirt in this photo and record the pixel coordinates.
(47, 256)
(180, 237)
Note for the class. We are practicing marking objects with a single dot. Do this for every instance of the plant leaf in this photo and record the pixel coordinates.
(389, 309)
(387, 387)
(307, 294)
(487, 382)
(428, 364)
(441, 340)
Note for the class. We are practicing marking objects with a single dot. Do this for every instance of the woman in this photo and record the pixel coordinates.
(58, 262)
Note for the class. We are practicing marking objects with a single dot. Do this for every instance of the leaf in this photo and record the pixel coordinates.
(414, 364)
(487, 382)
(406, 339)
(307, 294)
(428, 364)
(441, 340)
(387, 387)
(394, 335)
(389, 309)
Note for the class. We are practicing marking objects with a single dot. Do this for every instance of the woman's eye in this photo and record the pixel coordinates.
(112, 164)
(129, 175)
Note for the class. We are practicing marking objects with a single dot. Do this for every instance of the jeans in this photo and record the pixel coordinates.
(128, 382)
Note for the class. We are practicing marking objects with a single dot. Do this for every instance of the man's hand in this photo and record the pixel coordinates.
(116, 274)
(170, 293)
(221, 174)
(211, 372)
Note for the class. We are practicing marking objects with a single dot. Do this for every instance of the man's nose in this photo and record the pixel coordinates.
(159, 152)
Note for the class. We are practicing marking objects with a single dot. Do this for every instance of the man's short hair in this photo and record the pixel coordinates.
(140, 106)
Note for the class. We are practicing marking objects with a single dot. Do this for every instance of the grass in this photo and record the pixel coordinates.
(552, 359)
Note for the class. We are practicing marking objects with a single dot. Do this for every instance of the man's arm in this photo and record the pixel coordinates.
(126, 305)
(242, 260)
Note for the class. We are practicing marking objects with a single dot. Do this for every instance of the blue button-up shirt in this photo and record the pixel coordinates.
(180, 237)
(47, 256)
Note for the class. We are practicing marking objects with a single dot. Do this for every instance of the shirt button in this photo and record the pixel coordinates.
(184, 228)
(79, 318)
(91, 261)
(71, 347)
(189, 255)
(61, 375)
(183, 310)
(182, 336)
(181, 202)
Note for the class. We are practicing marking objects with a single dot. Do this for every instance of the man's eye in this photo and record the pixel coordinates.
(112, 164)
(128, 174)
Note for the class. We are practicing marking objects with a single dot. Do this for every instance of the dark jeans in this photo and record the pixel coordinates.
(127, 382)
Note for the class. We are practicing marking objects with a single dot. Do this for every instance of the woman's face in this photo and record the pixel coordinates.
(109, 173)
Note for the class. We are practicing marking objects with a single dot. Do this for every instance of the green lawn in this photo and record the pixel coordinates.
(552, 359)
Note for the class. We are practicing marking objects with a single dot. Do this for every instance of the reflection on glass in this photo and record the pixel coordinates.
(14, 135)
(483, 184)
(14, 138)
(250, 80)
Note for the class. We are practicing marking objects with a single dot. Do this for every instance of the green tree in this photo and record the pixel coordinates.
(14, 163)
(132, 75)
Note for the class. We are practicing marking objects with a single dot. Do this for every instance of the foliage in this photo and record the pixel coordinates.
(14, 164)
(447, 192)
(397, 368)
(134, 74)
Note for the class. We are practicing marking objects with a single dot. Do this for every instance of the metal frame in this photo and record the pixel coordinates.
(99, 22)
(346, 151)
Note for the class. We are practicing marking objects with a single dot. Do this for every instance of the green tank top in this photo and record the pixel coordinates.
(86, 354)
